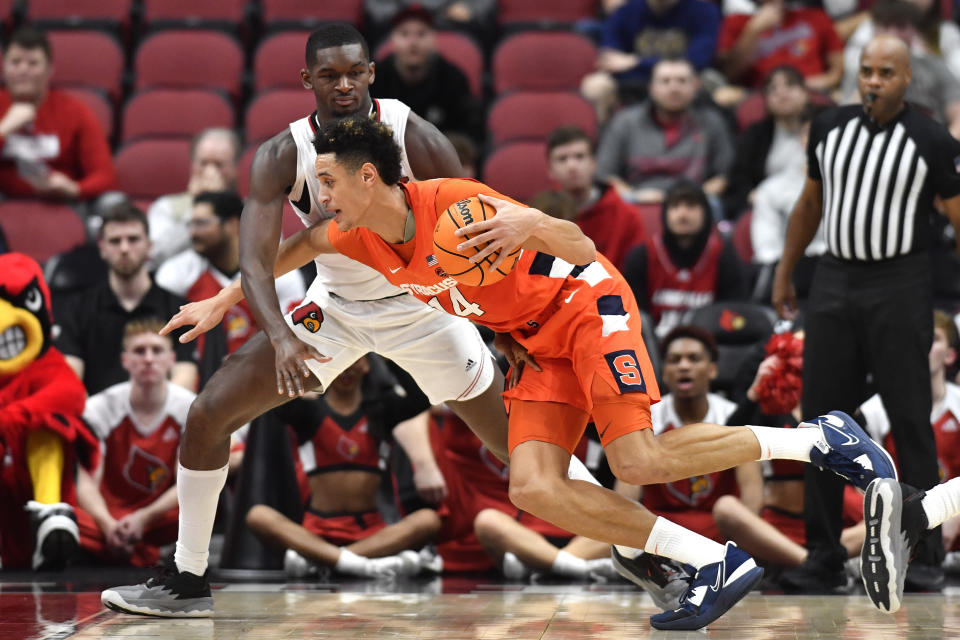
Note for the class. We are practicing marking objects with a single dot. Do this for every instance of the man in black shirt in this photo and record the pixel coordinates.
(430, 85)
(873, 174)
(92, 322)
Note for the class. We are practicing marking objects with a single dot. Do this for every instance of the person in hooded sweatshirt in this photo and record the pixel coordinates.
(687, 265)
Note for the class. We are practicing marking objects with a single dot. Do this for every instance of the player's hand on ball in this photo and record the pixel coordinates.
(203, 315)
(291, 356)
(507, 230)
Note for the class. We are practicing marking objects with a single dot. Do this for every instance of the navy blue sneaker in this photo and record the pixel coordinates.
(713, 592)
(848, 451)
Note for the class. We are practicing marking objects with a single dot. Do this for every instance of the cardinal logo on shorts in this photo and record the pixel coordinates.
(309, 315)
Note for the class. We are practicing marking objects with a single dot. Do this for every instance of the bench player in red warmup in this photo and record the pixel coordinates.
(575, 316)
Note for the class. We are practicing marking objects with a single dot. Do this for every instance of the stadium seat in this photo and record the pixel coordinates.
(271, 111)
(87, 59)
(307, 14)
(80, 14)
(60, 227)
(754, 107)
(533, 12)
(150, 168)
(738, 328)
(741, 237)
(100, 106)
(191, 14)
(278, 60)
(533, 115)
(518, 169)
(459, 49)
(542, 61)
(652, 215)
(214, 60)
(174, 112)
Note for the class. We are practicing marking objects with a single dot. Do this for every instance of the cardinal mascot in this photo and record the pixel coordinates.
(41, 433)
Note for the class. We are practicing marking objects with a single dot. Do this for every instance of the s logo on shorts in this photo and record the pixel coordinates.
(626, 371)
(309, 315)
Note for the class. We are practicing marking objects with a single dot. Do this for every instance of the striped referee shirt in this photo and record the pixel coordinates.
(879, 183)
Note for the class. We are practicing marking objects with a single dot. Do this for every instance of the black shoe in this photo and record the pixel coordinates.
(172, 594)
(814, 577)
(56, 538)
(923, 577)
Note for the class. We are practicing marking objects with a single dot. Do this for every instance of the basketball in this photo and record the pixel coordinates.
(455, 263)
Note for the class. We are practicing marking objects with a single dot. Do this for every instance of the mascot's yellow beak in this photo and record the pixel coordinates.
(21, 338)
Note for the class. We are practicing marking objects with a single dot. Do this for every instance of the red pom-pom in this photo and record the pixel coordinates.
(779, 391)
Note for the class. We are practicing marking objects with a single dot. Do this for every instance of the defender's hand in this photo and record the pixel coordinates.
(291, 356)
(203, 315)
(516, 355)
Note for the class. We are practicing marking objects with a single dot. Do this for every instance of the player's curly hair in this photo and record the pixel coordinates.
(358, 140)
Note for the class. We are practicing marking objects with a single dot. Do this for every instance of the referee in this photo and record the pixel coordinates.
(873, 173)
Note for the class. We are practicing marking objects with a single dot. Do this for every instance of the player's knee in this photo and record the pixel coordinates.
(534, 493)
(203, 419)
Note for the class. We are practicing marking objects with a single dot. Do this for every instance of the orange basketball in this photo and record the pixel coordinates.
(455, 263)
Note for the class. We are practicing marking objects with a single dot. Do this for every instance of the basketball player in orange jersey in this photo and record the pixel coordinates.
(575, 316)
(350, 310)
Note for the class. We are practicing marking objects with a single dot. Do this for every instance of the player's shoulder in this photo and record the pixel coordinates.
(178, 402)
(105, 410)
(276, 155)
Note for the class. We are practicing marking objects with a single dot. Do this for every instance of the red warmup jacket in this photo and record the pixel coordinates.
(68, 137)
(614, 226)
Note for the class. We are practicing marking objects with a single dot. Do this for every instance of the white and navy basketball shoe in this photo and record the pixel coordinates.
(894, 526)
(848, 451)
(714, 590)
(664, 579)
(171, 594)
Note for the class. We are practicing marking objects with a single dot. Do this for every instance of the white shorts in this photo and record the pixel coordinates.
(444, 354)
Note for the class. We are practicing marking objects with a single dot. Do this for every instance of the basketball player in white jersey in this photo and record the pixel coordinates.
(350, 310)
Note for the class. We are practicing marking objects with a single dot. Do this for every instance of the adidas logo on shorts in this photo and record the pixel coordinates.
(470, 364)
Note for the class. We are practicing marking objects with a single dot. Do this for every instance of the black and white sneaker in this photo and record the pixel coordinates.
(55, 534)
(172, 594)
(895, 522)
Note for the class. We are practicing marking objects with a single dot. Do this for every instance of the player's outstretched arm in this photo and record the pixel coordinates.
(515, 226)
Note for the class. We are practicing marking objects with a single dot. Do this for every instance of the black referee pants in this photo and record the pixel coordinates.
(872, 318)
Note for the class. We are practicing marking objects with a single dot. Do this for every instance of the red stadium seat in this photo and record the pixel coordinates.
(542, 61)
(150, 168)
(193, 14)
(741, 237)
(538, 11)
(40, 229)
(652, 218)
(174, 112)
(533, 115)
(98, 104)
(307, 14)
(278, 60)
(458, 49)
(518, 170)
(270, 112)
(87, 58)
(80, 14)
(214, 61)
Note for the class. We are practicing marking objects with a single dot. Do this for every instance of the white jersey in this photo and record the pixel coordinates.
(664, 417)
(337, 273)
(107, 410)
(948, 412)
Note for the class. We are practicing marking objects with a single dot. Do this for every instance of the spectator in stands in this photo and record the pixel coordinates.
(91, 322)
(214, 156)
(775, 35)
(417, 75)
(933, 87)
(128, 503)
(938, 37)
(613, 225)
(945, 417)
(641, 32)
(649, 146)
(846, 15)
(687, 265)
(689, 365)
(776, 536)
(52, 145)
(340, 436)
(771, 145)
(467, 152)
(212, 263)
(475, 16)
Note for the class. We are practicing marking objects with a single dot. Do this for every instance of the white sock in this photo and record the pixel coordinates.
(578, 471)
(942, 502)
(569, 565)
(785, 444)
(673, 541)
(351, 563)
(198, 493)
